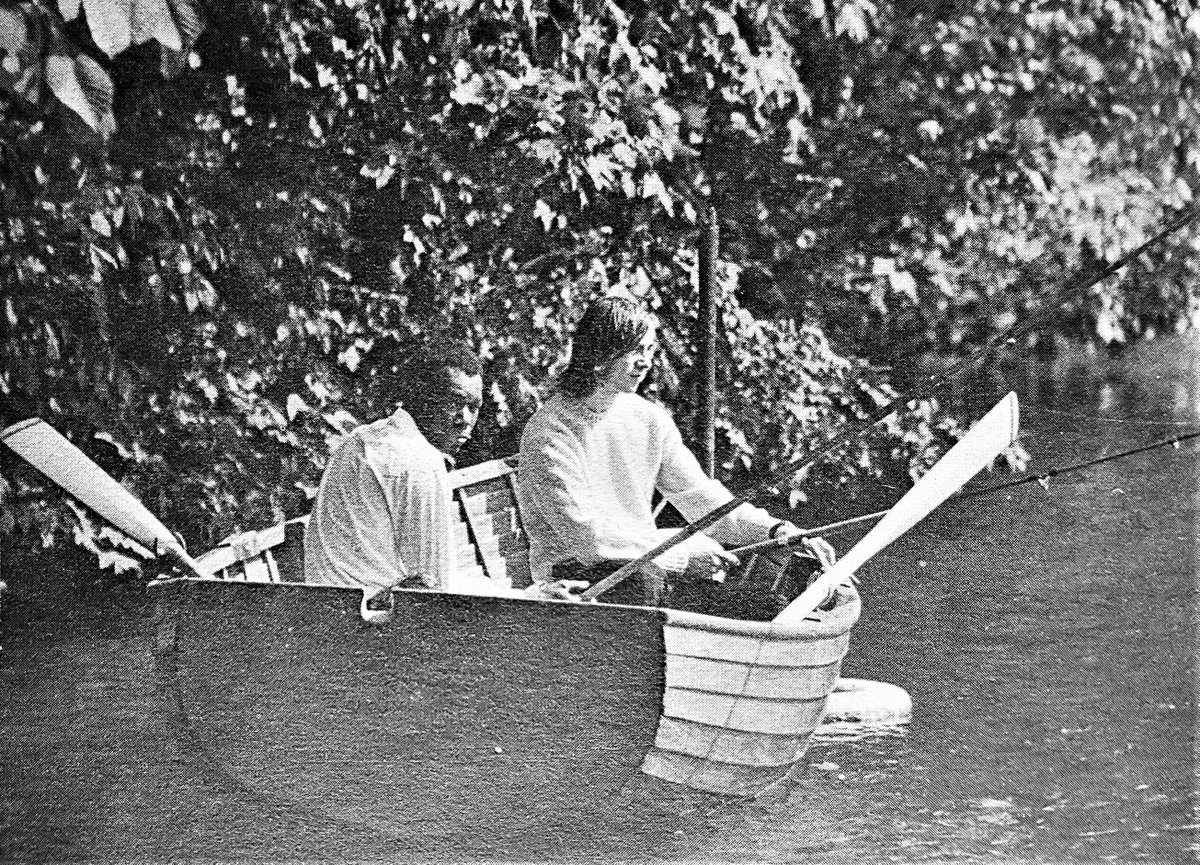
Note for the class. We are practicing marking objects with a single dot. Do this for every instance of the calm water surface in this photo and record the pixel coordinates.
(1047, 637)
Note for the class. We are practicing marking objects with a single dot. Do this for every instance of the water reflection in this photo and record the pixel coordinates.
(858, 731)
(1107, 397)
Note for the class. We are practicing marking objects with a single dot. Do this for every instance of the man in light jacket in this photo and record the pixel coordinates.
(383, 516)
(593, 455)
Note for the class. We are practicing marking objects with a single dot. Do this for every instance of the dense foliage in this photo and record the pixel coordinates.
(206, 230)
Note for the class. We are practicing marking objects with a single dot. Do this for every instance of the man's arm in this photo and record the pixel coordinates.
(686, 485)
(419, 502)
(689, 489)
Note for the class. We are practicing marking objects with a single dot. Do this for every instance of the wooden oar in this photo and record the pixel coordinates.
(48, 451)
(982, 444)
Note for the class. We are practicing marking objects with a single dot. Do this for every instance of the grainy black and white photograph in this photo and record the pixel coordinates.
(599, 431)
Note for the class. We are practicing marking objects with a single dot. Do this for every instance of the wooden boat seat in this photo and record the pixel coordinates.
(489, 537)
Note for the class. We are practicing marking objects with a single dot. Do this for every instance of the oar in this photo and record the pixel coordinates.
(851, 430)
(982, 444)
(49, 452)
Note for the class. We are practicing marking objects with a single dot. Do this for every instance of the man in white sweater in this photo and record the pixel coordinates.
(383, 513)
(594, 453)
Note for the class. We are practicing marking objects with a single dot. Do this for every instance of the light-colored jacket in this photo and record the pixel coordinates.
(382, 512)
(586, 481)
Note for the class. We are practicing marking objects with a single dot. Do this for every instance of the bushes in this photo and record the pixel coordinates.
(193, 286)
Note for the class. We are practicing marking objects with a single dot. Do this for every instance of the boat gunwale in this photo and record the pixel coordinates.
(833, 623)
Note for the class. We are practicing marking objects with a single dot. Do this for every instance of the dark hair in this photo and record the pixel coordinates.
(610, 327)
(407, 371)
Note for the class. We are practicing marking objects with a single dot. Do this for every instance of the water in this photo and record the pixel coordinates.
(1047, 638)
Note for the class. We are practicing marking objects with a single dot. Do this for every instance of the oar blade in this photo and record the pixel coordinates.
(976, 450)
(47, 450)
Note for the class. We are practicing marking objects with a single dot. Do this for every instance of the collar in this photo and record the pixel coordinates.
(402, 421)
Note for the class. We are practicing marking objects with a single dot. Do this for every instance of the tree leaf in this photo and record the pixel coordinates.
(188, 20)
(100, 224)
(295, 405)
(119, 562)
(18, 70)
(852, 22)
(69, 9)
(902, 282)
(109, 21)
(152, 19)
(64, 84)
(14, 31)
(98, 88)
(542, 211)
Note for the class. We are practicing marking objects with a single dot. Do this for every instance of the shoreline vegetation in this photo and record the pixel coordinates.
(208, 222)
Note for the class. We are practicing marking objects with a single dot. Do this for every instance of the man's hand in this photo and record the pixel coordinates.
(558, 590)
(380, 600)
(710, 566)
(820, 548)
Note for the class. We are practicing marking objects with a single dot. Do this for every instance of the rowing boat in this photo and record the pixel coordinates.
(290, 689)
(453, 709)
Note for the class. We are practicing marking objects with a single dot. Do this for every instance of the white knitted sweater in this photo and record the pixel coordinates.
(586, 479)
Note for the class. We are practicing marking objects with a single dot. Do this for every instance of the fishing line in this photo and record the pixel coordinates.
(1042, 478)
(1102, 418)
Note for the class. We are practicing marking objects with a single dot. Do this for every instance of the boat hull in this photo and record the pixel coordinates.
(458, 701)
(465, 712)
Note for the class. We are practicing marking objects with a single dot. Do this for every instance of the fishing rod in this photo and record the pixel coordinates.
(853, 429)
(1042, 478)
